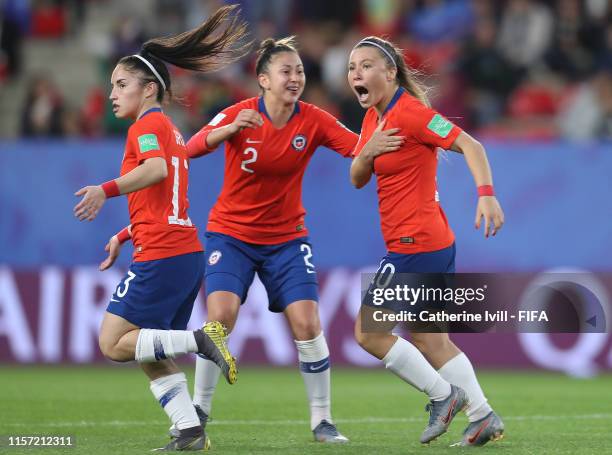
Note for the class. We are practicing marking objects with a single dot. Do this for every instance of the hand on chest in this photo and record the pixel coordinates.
(411, 155)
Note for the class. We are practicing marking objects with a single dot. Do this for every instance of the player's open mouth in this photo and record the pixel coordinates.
(293, 90)
(362, 93)
(115, 107)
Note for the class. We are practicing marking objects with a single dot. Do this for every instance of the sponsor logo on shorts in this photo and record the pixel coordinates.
(299, 142)
(214, 257)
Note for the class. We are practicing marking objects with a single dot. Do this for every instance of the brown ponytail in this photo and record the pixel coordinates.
(269, 47)
(406, 77)
(195, 49)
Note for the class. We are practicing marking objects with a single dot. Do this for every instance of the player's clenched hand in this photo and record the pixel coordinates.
(113, 248)
(90, 205)
(247, 118)
(489, 209)
(383, 141)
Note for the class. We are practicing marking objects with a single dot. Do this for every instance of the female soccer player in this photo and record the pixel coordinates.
(148, 313)
(257, 224)
(414, 226)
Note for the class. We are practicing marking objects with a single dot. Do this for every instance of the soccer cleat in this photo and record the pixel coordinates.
(175, 432)
(211, 343)
(441, 413)
(190, 439)
(327, 432)
(489, 428)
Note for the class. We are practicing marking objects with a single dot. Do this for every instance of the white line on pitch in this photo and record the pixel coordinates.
(366, 420)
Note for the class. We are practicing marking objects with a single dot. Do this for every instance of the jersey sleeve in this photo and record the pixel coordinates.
(431, 128)
(197, 146)
(336, 136)
(148, 139)
(360, 143)
(364, 137)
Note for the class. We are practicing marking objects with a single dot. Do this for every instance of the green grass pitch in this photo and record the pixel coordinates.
(109, 410)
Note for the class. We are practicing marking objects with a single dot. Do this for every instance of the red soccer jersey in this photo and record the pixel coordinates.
(158, 213)
(410, 214)
(261, 198)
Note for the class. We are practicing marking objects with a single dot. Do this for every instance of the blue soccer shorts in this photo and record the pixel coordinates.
(159, 294)
(432, 269)
(285, 269)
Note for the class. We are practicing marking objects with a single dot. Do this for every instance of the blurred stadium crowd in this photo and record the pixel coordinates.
(532, 69)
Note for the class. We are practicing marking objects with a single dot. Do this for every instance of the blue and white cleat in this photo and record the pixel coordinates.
(327, 432)
(441, 413)
(489, 428)
(175, 432)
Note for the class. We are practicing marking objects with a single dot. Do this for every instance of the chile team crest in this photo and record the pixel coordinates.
(214, 257)
(299, 142)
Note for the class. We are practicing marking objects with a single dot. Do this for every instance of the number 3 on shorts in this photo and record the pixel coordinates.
(121, 292)
(304, 247)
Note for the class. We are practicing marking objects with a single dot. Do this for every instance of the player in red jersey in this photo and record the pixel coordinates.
(404, 159)
(257, 224)
(147, 317)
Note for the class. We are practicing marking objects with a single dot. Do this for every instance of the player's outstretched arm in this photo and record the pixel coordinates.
(113, 247)
(149, 173)
(209, 138)
(488, 206)
(380, 142)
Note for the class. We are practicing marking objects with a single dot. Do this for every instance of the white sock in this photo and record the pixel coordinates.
(314, 366)
(206, 377)
(154, 345)
(459, 371)
(171, 392)
(407, 362)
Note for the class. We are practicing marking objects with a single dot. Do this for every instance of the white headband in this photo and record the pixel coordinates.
(146, 62)
(372, 43)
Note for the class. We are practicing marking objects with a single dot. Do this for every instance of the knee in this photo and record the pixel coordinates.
(306, 329)
(364, 339)
(109, 349)
(430, 344)
(223, 306)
